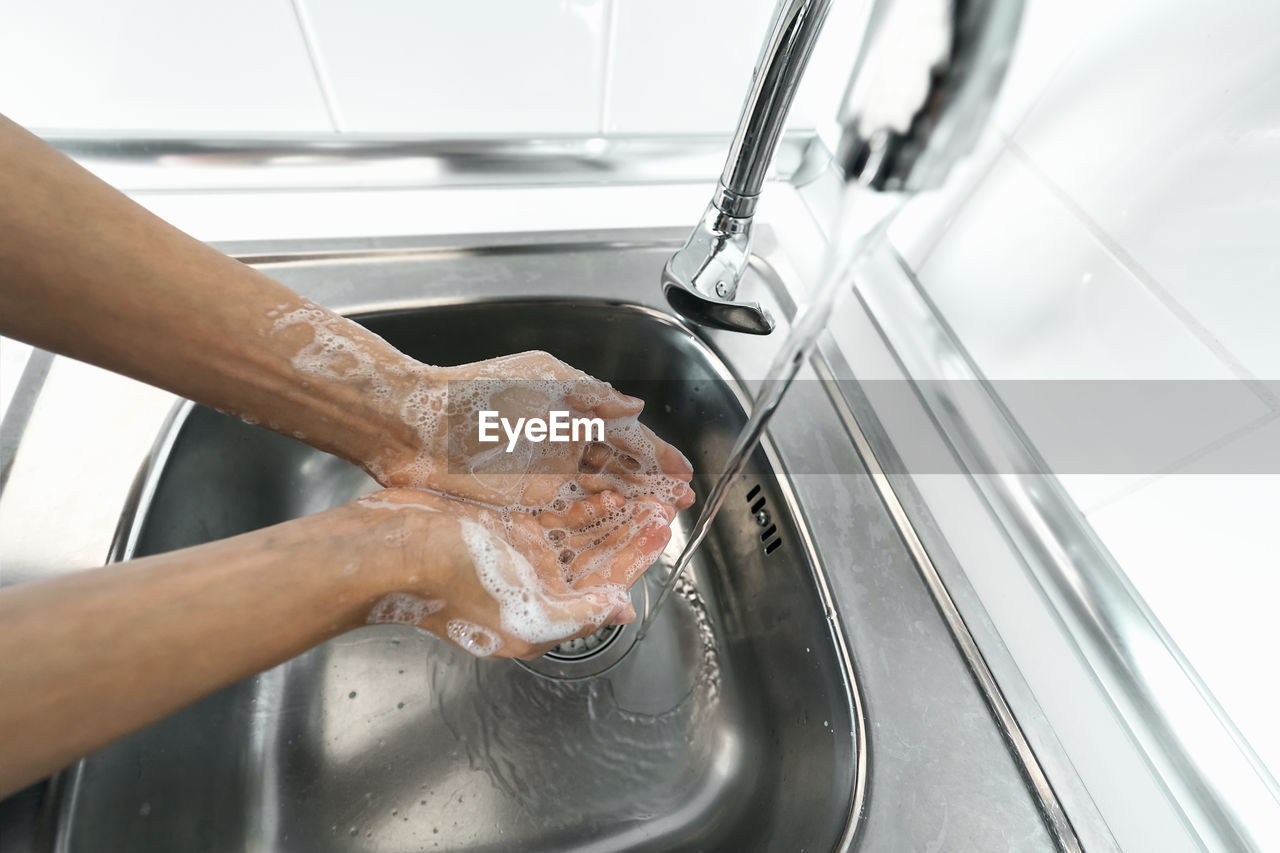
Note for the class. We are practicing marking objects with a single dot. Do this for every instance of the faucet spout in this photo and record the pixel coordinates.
(701, 280)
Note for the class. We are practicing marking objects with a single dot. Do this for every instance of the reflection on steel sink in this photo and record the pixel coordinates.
(730, 727)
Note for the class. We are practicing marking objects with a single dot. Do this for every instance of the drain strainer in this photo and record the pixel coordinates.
(585, 647)
(596, 653)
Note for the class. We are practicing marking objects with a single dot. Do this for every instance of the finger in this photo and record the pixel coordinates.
(622, 565)
(604, 466)
(596, 455)
(610, 461)
(641, 442)
(592, 483)
(595, 608)
(603, 400)
(637, 441)
(637, 486)
(607, 535)
(593, 509)
(672, 462)
(535, 652)
(591, 607)
(583, 513)
(634, 560)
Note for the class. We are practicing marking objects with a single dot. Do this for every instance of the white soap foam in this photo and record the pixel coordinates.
(339, 349)
(401, 608)
(473, 638)
(527, 610)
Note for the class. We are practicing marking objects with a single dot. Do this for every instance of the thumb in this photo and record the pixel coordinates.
(597, 606)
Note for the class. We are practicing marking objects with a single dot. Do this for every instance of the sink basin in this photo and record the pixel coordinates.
(730, 727)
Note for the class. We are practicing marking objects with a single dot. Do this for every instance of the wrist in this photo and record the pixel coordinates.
(345, 391)
(406, 424)
(378, 549)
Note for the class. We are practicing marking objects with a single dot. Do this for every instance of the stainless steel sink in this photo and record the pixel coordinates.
(732, 726)
(816, 690)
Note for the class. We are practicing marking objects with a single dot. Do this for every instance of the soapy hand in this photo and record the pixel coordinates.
(451, 455)
(509, 584)
(431, 434)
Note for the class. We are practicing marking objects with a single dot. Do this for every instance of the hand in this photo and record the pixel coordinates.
(427, 434)
(509, 584)
(133, 640)
(447, 454)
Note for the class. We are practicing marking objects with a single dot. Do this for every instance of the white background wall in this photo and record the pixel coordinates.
(1118, 222)
(435, 67)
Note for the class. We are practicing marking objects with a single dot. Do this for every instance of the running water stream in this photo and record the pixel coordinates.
(837, 271)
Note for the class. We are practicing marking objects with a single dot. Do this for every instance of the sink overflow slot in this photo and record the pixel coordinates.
(772, 541)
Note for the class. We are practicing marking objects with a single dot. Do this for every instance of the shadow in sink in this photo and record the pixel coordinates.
(729, 728)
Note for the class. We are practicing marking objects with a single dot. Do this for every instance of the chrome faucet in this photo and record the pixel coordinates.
(701, 280)
(923, 83)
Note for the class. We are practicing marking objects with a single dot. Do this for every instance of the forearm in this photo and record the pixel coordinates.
(87, 658)
(86, 272)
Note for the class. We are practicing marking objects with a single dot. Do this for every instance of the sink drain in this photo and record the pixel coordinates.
(584, 647)
(596, 653)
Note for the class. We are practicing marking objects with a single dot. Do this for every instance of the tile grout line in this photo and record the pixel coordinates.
(606, 69)
(322, 79)
(1131, 265)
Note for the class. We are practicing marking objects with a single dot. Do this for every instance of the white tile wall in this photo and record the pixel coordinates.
(1050, 32)
(1036, 296)
(157, 65)
(429, 67)
(1177, 158)
(1121, 224)
(481, 67)
(683, 67)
